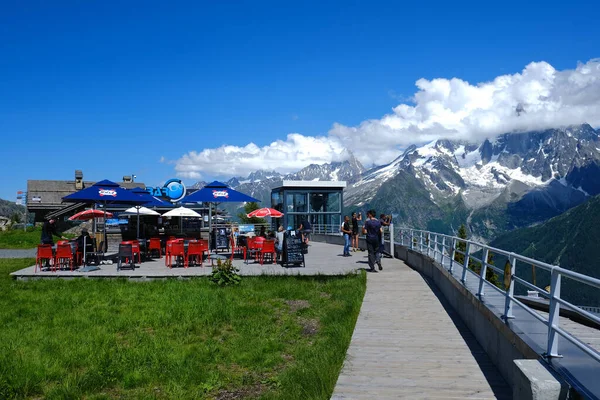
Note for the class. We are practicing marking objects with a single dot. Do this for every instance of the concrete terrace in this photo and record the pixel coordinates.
(322, 259)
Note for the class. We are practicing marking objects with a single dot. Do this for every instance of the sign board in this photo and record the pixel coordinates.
(21, 198)
(246, 228)
(221, 239)
(292, 249)
(116, 222)
(173, 190)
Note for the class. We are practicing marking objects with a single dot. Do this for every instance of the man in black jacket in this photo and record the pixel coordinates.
(49, 230)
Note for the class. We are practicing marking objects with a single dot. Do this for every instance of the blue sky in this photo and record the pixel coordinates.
(113, 89)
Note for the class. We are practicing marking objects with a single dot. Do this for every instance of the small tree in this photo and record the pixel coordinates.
(248, 208)
(15, 218)
(460, 245)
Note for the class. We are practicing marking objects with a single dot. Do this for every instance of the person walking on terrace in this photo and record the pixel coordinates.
(48, 231)
(355, 219)
(347, 232)
(372, 230)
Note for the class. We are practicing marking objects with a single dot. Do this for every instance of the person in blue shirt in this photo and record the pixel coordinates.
(306, 229)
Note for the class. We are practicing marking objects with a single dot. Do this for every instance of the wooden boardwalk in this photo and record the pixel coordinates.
(408, 343)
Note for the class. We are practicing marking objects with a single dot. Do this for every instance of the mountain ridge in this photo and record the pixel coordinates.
(495, 185)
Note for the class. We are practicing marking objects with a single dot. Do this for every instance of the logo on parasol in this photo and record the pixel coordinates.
(220, 193)
(107, 192)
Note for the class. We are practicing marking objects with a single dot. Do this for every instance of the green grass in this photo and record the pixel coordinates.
(268, 338)
(19, 239)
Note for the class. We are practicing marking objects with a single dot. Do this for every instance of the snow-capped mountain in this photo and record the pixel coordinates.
(258, 184)
(534, 175)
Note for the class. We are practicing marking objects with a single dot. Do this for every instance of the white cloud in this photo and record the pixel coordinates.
(449, 108)
(289, 155)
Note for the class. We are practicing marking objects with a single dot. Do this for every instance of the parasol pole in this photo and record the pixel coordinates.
(138, 221)
(104, 241)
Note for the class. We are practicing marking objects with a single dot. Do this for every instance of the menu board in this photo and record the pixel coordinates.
(222, 242)
(292, 248)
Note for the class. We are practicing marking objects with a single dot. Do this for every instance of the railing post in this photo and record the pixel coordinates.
(482, 273)
(510, 290)
(412, 240)
(451, 269)
(553, 318)
(421, 242)
(443, 249)
(463, 279)
(392, 239)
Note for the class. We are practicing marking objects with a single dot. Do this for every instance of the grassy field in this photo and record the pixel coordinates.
(19, 239)
(269, 338)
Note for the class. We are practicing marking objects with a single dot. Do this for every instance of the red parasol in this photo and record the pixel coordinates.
(89, 214)
(265, 212)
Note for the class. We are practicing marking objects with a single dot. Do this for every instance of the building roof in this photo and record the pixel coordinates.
(313, 184)
(46, 193)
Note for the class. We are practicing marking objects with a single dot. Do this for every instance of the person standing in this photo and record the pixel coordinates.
(372, 230)
(384, 220)
(347, 232)
(48, 231)
(305, 228)
(355, 220)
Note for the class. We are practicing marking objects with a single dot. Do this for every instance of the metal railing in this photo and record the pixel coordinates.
(445, 248)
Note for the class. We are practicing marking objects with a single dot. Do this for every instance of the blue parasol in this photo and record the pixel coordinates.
(217, 192)
(106, 192)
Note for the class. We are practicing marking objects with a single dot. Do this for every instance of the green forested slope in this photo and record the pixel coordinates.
(571, 240)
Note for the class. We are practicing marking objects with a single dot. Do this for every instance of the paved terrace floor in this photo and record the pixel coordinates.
(322, 259)
(408, 343)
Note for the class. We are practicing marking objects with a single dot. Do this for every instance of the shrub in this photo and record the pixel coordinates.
(224, 274)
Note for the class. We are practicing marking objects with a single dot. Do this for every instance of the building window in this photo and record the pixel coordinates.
(277, 201)
(325, 202)
(296, 202)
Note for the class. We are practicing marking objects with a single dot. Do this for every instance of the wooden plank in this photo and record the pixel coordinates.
(406, 345)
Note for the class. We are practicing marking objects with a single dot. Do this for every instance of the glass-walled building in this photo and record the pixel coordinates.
(318, 201)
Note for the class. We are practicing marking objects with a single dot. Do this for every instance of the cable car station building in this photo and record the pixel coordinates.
(320, 202)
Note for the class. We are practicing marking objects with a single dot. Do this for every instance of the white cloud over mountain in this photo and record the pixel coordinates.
(539, 97)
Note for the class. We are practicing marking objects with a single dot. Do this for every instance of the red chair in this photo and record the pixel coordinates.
(155, 245)
(268, 247)
(177, 250)
(236, 248)
(205, 248)
(44, 254)
(168, 247)
(64, 256)
(254, 246)
(195, 252)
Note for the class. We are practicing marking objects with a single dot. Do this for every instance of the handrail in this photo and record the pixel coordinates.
(445, 248)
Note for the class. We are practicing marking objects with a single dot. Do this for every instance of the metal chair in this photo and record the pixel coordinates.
(237, 248)
(125, 252)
